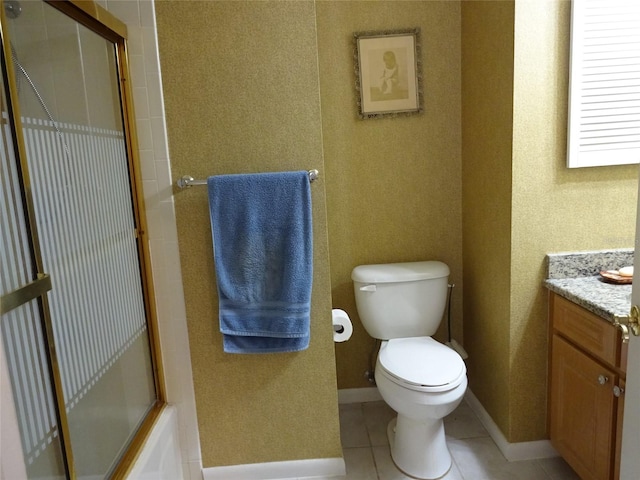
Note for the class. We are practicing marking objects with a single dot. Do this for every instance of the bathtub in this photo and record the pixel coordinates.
(160, 457)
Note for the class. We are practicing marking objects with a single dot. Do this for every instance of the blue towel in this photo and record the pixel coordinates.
(263, 252)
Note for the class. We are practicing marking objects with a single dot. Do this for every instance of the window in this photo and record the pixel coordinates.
(604, 83)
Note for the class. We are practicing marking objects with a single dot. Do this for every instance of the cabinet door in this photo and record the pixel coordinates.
(582, 410)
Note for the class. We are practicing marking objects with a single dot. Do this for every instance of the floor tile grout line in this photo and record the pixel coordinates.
(366, 426)
(375, 464)
(454, 463)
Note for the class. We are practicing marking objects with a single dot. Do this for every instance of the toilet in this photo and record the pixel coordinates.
(423, 380)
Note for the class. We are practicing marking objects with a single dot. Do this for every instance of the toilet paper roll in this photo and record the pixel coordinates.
(342, 327)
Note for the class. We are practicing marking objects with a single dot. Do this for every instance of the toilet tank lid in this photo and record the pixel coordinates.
(399, 272)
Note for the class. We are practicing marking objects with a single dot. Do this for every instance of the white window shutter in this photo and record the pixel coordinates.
(604, 83)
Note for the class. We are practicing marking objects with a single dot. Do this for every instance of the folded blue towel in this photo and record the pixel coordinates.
(263, 252)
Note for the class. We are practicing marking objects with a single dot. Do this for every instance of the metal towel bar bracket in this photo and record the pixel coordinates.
(189, 181)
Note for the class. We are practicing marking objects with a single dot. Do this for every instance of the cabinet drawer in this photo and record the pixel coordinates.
(586, 330)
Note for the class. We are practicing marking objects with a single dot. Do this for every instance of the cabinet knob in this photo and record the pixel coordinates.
(618, 391)
(602, 379)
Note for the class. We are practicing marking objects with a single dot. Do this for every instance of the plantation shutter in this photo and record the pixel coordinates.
(604, 86)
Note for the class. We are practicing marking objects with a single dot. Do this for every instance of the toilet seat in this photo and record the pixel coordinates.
(422, 364)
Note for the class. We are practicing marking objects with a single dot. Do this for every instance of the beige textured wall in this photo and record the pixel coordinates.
(555, 209)
(393, 184)
(544, 207)
(240, 81)
(488, 186)
(487, 59)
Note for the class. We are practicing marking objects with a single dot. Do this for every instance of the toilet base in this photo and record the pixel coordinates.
(418, 448)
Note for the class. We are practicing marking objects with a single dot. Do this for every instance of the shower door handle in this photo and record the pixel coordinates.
(26, 293)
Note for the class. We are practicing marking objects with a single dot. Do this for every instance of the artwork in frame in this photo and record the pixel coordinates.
(388, 73)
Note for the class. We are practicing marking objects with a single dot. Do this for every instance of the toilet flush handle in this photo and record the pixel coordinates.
(368, 288)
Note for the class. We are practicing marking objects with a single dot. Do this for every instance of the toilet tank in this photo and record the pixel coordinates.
(397, 300)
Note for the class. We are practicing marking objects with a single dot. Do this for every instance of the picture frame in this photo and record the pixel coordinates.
(388, 71)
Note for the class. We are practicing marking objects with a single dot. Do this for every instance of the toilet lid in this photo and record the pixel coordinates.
(422, 362)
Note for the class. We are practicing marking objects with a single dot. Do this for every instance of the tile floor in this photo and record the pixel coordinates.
(475, 456)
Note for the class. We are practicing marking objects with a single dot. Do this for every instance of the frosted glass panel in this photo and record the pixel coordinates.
(32, 392)
(15, 254)
(21, 328)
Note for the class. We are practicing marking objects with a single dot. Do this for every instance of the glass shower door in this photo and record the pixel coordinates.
(85, 214)
(23, 350)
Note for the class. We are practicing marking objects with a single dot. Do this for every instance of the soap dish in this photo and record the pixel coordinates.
(612, 276)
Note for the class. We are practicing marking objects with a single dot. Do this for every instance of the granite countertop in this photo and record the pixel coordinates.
(575, 276)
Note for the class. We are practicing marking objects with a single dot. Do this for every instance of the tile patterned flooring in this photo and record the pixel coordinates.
(475, 455)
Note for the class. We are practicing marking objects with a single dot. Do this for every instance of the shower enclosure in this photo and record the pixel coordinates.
(78, 343)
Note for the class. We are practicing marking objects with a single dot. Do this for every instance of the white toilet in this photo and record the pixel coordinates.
(402, 304)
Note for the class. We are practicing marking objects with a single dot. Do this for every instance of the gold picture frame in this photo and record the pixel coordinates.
(388, 70)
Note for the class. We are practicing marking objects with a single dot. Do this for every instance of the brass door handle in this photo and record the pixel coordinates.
(632, 322)
(26, 293)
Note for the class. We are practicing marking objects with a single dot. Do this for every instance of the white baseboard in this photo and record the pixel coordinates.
(293, 469)
(511, 451)
(358, 395)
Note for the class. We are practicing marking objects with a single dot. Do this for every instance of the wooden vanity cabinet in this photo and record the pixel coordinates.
(587, 362)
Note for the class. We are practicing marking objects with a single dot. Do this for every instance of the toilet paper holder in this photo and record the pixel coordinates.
(342, 327)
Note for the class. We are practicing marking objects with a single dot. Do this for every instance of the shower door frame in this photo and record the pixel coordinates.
(102, 22)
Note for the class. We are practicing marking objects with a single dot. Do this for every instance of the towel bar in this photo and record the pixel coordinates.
(188, 181)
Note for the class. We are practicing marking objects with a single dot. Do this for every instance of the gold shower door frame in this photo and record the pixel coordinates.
(100, 21)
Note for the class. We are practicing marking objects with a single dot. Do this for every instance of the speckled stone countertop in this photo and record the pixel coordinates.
(575, 276)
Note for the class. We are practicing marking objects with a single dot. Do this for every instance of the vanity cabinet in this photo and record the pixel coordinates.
(586, 389)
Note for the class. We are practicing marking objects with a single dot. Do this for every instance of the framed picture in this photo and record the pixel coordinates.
(388, 73)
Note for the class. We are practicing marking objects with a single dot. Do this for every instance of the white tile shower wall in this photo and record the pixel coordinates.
(139, 15)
